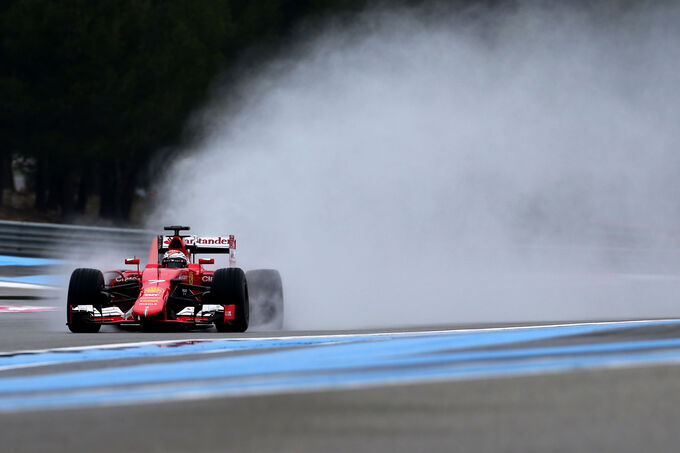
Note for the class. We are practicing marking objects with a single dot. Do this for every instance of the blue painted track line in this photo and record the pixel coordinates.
(419, 341)
(47, 280)
(50, 280)
(344, 380)
(337, 357)
(156, 350)
(6, 260)
(353, 361)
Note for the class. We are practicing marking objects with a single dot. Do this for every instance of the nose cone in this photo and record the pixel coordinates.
(150, 302)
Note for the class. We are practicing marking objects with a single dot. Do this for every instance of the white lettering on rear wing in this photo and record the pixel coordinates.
(203, 244)
(214, 241)
(201, 241)
(165, 241)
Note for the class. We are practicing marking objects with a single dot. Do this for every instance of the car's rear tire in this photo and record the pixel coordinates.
(229, 287)
(84, 288)
(266, 297)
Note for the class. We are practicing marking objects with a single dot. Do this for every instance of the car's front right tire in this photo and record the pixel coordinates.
(85, 288)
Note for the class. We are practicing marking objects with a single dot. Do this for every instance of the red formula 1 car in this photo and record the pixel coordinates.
(175, 290)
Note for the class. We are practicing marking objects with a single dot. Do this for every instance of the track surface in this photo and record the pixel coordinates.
(613, 411)
(586, 387)
(600, 409)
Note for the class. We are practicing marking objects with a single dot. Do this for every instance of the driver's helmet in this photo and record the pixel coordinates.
(175, 258)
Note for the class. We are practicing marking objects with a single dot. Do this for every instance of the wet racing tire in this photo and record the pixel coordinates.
(229, 287)
(84, 288)
(266, 297)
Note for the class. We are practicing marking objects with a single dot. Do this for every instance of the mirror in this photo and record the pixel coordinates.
(132, 261)
(206, 261)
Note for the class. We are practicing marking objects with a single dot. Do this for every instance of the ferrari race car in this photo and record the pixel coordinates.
(175, 290)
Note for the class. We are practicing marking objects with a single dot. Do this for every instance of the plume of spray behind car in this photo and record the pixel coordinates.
(421, 167)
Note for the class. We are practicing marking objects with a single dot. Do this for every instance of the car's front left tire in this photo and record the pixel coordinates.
(229, 287)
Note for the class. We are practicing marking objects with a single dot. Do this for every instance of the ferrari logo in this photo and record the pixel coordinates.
(191, 278)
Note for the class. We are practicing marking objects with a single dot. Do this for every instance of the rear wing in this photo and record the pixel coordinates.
(201, 244)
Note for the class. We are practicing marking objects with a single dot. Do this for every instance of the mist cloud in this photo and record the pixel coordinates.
(442, 168)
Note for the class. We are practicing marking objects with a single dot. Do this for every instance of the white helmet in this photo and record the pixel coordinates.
(175, 258)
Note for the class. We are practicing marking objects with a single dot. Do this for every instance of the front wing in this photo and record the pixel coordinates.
(184, 306)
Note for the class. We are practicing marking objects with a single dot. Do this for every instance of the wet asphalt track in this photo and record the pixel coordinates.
(599, 409)
(592, 387)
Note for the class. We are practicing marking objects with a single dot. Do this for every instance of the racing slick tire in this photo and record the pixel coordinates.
(84, 288)
(266, 297)
(229, 287)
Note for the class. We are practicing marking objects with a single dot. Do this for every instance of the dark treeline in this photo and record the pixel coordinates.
(91, 89)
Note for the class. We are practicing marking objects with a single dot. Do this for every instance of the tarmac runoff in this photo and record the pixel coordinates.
(25, 278)
(626, 399)
(303, 363)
